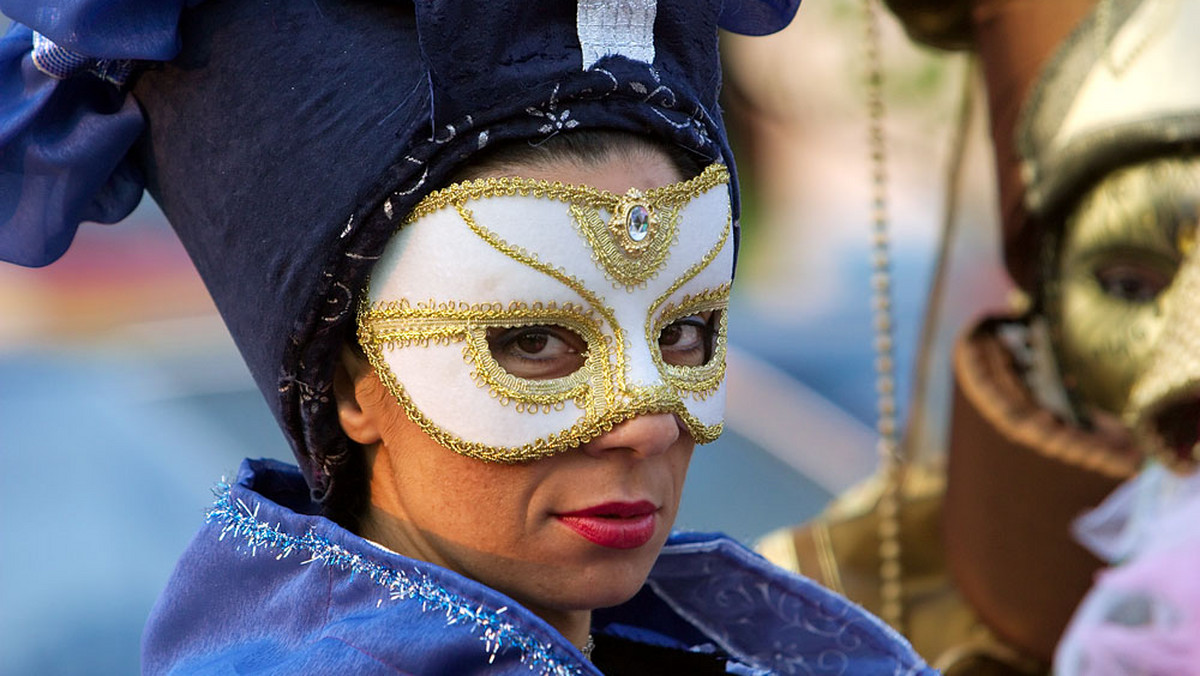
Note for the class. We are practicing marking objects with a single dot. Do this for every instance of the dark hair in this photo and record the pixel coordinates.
(589, 147)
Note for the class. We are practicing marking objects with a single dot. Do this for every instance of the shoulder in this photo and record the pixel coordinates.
(770, 617)
(268, 587)
(709, 593)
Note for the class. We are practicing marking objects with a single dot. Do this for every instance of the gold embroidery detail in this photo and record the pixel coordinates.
(628, 262)
(592, 425)
(584, 385)
(698, 267)
(666, 399)
(674, 195)
(400, 324)
(633, 205)
(594, 386)
(702, 380)
(530, 259)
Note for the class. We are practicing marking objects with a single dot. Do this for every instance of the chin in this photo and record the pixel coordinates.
(595, 598)
(603, 586)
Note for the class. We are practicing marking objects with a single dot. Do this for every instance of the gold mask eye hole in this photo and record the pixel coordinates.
(1132, 282)
(689, 341)
(539, 352)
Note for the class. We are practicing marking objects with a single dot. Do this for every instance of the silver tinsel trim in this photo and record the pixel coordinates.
(241, 522)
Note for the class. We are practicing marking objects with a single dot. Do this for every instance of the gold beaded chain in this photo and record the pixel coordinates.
(891, 460)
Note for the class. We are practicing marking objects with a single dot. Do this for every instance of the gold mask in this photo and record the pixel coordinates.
(1108, 294)
(1164, 407)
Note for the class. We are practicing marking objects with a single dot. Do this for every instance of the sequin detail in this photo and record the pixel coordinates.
(631, 246)
(240, 522)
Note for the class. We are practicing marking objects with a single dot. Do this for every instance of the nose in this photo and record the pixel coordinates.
(644, 435)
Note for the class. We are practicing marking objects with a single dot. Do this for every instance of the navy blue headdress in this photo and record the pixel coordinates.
(285, 140)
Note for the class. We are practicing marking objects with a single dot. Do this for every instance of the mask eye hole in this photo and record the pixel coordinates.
(541, 352)
(1131, 282)
(688, 341)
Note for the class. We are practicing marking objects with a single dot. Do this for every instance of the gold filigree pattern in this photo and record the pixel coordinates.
(584, 385)
(703, 380)
(530, 259)
(625, 260)
(696, 269)
(658, 400)
(600, 387)
(399, 324)
(666, 399)
(669, 196)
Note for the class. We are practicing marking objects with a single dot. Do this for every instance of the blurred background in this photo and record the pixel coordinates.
(123, 400)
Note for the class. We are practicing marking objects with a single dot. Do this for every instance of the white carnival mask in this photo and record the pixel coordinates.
(514, 319)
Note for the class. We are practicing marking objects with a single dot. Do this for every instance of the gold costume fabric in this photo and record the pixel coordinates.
(991, 573)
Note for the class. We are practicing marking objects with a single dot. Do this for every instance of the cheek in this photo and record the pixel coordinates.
(683, 459)
(470, 500)
(679, 457)
(1106, 342)
(383, 409)
(442, 492)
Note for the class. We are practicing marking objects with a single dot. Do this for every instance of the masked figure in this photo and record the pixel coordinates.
(1094, 120)
(477, 256)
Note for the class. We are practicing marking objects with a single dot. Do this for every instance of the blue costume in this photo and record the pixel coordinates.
(286, 142)
(267, 586)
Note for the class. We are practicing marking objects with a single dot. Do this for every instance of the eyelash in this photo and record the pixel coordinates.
(508, 344)
(693, 320)
(704, 346)
(514, 335)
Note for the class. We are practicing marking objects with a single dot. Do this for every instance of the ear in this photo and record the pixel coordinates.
(358, 421)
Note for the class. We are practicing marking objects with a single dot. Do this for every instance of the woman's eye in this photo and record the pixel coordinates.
(688, 341)
(537, 352)
(1131, 282)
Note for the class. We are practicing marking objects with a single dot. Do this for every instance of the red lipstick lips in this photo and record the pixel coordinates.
(617, 525)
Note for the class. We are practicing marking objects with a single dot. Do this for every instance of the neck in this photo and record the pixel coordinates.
(574, 625)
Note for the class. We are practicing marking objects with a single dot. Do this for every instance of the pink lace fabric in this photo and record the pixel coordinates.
(1143, 616)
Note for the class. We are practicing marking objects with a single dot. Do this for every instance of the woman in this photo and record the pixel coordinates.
(494, 428)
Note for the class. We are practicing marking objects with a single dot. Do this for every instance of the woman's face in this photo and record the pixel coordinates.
(574, 531)
(1121, 251)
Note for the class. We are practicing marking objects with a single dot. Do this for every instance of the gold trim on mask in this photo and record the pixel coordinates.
(531, 260)
(627, 261)
(668, 196)
(660, 399)
(400, 324)
(703, 380)
(600, 387)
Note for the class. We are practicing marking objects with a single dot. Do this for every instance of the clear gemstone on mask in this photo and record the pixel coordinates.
(638, 222)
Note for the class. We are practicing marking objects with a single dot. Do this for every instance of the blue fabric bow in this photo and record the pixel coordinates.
(65, 128)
